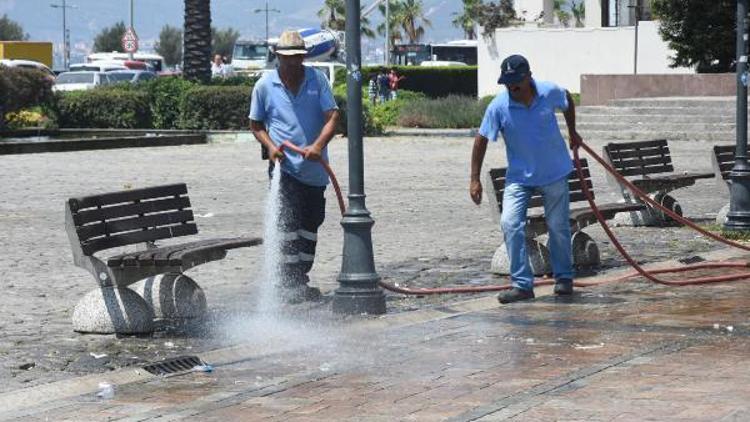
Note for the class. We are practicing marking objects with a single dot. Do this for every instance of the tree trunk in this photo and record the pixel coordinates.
(197, 41)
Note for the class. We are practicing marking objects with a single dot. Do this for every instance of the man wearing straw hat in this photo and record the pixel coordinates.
(294, 103)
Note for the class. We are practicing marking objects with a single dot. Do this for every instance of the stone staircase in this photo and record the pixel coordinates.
(709, 119)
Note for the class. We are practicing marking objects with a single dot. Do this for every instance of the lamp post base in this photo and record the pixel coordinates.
(353, 301)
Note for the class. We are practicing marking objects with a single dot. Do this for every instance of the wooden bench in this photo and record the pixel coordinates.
(648, 166)
(139, 217)
(585, 250)
(722, 161)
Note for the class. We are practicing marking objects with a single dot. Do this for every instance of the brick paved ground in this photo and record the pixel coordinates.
(426, 233)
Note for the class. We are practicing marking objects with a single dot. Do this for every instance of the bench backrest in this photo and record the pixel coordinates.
(723, 160)
(640, 158)
(497, 175)
(129, 217)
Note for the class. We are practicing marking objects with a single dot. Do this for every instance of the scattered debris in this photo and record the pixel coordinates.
(203, 368)
(106, 391)
(98, 355)
(588, 346)
(26, 366)
(168, 344)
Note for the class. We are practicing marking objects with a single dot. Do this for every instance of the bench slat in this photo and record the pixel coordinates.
(111, 198)
(642, 162)
(642, 171)
(174, 254)
(95, 245)
(118, 211)
(646, 152)
(146, 222)
(638, 144)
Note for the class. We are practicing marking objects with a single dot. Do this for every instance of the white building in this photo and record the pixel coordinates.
(604, 45)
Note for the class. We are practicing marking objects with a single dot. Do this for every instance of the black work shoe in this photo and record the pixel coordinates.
(298, 294)
(514, 295)
(564, 287)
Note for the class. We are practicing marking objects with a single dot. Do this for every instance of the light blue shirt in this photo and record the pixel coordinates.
(298, 119)
(536, 151)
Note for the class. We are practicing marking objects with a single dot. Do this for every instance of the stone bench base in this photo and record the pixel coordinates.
(123, 310)
(585, 255)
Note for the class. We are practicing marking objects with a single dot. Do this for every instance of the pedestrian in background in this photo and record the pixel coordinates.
(383, 86)
(538, 161)
(372, 89)
(393, 80)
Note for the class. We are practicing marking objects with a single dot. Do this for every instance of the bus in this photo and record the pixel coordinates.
(455, 52)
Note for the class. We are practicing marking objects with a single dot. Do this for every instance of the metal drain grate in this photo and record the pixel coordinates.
(174, 365)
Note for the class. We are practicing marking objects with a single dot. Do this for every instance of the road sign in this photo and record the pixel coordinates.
(130, 41)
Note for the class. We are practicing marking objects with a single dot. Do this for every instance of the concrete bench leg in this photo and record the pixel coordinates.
(721, 217)
(172, 296)
(652, 217)
(585, 251)
(538, 257)
(113, 310)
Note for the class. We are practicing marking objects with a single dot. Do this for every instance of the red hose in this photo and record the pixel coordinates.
(326, 167)
(639, 271)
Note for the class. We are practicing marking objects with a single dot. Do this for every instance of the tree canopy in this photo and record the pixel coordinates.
(11, 30)
(222, 41)
(110, 39)
(702, 33)
(169, 45)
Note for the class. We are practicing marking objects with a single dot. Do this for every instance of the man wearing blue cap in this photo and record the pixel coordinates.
(538, 161)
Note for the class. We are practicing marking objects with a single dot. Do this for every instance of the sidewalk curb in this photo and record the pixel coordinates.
(26, 147)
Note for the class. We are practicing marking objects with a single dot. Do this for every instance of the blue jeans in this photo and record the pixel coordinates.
(557, 214)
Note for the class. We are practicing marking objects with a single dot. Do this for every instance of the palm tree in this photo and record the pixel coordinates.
(197, 40)
(467, 19)
(579, 13)
(410, 14)
(394, 30)
(333, 15)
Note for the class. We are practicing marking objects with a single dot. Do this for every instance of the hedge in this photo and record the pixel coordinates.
(434, 82)
(103, 108)
(215, 107)
(21, 89)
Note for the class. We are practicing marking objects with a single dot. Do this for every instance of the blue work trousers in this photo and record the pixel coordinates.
(557, 214)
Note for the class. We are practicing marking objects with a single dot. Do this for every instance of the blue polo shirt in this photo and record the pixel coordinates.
(537, 153)
(298, 119)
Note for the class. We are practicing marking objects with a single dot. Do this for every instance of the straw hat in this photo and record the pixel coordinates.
(290, 44)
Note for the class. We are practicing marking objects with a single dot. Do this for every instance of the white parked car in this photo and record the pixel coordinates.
(132, 76)
(28, 64)
(77, 81)
(99, 66)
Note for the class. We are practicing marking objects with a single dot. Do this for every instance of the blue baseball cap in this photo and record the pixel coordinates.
(513, 69)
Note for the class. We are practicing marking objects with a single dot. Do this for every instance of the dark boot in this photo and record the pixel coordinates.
(564, 287)
(514, 295)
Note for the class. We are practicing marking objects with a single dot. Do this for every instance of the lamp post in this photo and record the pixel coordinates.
(66, 34)
(738, 217)
(637, 15)
(266, 10)
(387, 33)
(132, 27)
(358, 290)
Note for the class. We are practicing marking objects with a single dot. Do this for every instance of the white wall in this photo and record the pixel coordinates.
(562, 55)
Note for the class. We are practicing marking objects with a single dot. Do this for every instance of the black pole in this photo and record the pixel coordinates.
(738, 217)
(358, 292)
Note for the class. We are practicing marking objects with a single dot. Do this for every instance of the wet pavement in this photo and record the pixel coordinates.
(628, 351)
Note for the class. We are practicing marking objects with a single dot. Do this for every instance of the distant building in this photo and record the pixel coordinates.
(604, 45)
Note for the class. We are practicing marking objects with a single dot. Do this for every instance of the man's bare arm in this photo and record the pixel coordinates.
(477, 158)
